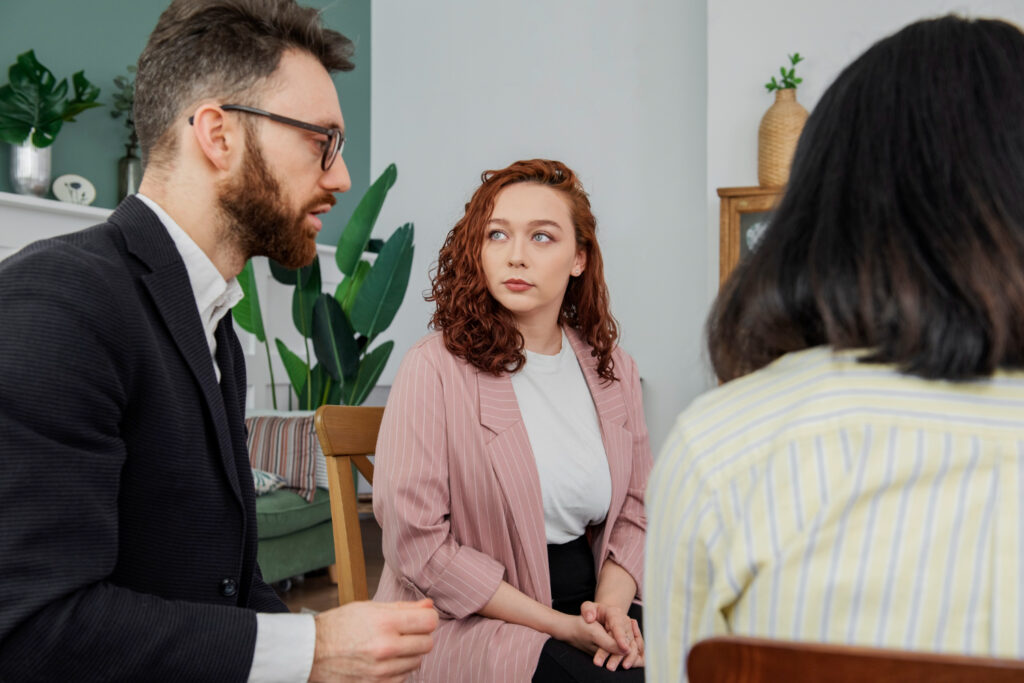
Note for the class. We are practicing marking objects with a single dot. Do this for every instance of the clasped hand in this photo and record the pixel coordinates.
(627, 643)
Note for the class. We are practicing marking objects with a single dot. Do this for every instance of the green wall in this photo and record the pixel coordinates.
(102, 37)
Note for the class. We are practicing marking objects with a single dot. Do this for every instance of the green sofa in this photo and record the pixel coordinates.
(295, 537)
(295, 534)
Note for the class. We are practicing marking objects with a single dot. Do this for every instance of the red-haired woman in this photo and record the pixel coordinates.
(513, 456)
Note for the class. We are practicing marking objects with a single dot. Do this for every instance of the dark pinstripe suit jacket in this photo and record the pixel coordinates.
(127, 527)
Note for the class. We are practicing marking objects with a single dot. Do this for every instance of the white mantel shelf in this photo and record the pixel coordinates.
(32, 203)
(25, 219)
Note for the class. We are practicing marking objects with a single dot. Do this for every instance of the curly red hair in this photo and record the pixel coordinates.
(478, 328)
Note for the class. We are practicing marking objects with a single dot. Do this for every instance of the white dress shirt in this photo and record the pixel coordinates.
(284, 642)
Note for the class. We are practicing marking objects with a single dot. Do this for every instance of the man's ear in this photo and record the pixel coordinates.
(218, 136)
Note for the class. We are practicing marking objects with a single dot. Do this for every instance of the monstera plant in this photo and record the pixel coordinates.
(34, 104)
(341, 328)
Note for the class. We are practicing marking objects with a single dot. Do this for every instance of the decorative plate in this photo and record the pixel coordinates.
(74, 189)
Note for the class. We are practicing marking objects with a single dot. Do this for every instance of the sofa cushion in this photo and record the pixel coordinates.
(284, 511)
(287, 445)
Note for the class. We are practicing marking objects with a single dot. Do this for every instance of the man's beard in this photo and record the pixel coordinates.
(258, 221)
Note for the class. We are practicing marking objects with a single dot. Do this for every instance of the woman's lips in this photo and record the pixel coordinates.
(517, 285)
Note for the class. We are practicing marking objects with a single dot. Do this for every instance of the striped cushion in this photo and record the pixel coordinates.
(286, 446)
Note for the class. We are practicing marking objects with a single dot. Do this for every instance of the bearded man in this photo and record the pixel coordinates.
(127, 532)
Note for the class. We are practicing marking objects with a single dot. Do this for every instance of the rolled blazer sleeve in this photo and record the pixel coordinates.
(412, 497)
(626, 540)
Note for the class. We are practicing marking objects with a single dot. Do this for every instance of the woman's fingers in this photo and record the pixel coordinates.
(621, 630)
(636, 654)
(591, 612)
(601, 638)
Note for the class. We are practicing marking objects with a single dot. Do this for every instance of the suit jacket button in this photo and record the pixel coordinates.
(228, 587)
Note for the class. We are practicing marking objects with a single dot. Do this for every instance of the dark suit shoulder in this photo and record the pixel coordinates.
(100, 247)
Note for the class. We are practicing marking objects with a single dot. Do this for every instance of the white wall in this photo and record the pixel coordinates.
(614, 89)
(748, 42)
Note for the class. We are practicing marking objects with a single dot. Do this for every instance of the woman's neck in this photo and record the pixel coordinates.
(545, 339)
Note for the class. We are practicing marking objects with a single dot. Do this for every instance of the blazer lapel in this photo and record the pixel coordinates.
(146, 237)
(610, 402)
(516, 470)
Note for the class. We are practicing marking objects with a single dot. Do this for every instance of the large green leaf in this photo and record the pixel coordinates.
(356, 234)
(295, 367)
(13, 131)
(247, 311)
(369, 372)
(334, 340)
(382, 292)
(346, 292)
(334, 395)
(286, 276)
(85, 97)
(304, 297)
(319, 390)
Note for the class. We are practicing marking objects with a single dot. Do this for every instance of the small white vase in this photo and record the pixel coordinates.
(30, 168)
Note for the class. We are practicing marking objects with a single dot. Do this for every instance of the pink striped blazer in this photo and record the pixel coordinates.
(458, 497)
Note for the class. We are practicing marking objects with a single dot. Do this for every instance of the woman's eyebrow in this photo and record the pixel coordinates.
(537, 223)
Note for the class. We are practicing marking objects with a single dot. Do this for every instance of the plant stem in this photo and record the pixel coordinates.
(270, 366)
(309, 378)
(327, 392)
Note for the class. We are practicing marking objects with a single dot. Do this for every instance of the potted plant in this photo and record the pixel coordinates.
(129, 167)
(780, 127)
(340, 327)
(33, 107)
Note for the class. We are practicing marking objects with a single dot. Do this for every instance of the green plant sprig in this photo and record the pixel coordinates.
(122, 102)
(789, 79)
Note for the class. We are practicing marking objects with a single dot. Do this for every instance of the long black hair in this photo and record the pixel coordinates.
(902, 228)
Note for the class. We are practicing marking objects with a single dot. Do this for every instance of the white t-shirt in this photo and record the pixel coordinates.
(565, 436)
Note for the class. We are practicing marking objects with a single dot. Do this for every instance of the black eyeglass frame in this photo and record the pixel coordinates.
(335, 136)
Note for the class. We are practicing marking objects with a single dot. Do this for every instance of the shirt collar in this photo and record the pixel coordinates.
(214, 295)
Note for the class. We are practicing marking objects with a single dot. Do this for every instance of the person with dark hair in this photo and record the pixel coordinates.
(513, 455)
(859, 478)
(128, 543)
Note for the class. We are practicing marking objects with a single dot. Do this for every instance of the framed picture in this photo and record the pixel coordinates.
(744, 216)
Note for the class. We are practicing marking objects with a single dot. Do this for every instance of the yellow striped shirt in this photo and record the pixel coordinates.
(823, 499)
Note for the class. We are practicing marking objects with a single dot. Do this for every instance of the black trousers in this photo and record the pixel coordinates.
(573, 582)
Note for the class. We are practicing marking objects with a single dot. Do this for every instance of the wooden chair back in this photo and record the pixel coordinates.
(347, 435)
(736, 659)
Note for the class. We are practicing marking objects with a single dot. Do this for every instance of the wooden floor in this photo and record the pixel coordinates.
(316, 592)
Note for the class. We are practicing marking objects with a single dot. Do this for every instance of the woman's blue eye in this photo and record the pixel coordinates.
(542, 237)
(495, 235)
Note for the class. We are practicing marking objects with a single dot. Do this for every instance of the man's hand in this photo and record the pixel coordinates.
(372, 641)
(625, 631)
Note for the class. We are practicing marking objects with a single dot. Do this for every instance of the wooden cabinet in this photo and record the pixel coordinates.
(743, 219)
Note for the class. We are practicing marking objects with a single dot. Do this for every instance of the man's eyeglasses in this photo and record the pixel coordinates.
(332, 146)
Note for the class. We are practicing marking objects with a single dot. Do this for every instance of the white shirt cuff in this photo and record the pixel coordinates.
(284, 648)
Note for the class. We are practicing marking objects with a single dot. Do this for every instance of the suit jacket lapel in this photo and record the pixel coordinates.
(146, 237)
(610, 402)
(516, 470)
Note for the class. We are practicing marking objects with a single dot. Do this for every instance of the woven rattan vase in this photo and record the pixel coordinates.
(776, 138)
